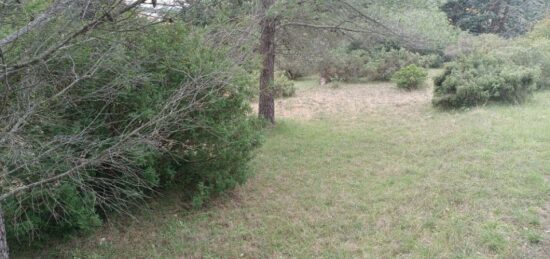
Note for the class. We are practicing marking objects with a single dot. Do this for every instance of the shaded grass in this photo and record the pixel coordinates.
(306, 83)
(417, 184)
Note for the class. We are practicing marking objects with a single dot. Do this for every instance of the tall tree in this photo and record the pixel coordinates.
(267, 50)
(276, 19)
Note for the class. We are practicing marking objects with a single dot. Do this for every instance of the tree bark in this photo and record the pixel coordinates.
(4, 252)
(267, 50)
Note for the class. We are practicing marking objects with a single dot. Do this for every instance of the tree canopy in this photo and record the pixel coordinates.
(504, 17)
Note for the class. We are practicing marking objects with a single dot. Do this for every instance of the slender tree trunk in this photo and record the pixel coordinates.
(267, 50)
(4, 252)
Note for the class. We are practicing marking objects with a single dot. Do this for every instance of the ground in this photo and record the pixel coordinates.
(351, 100)
(365, 170)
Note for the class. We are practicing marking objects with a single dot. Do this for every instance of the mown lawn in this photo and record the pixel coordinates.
(405, 181)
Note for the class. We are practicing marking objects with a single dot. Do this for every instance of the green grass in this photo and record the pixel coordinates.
(307, 83)
(420, 184)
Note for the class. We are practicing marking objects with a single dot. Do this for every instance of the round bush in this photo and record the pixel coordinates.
(284, 87)
(410, 77)
(479, 78)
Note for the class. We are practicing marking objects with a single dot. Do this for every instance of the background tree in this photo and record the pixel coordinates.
(306, 30)
(268, 27)
(348, 21)
(504, 17)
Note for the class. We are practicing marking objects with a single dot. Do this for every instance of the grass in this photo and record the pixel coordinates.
(417, 183)
(307, 83)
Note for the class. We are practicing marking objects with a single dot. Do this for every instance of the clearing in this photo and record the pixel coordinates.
(366, 170)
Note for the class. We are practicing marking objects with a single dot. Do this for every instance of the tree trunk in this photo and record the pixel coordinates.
(267, 50)
(4, 252)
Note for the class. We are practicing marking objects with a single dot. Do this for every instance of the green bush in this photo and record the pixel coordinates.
(530, 53)
(533, 50)
(293, 67)
(347, 65)
(284, 87)
(410, 77)
(200, 144)
(431, 61)
(468, 44)
(479, 78)
(541, 30)
(343, 65)
(538, 42)
(384, 64)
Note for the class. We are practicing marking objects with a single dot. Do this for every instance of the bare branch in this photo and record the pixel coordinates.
(40, 20)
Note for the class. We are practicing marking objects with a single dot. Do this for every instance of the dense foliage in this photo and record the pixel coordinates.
(344, 65)
(160, 111)
(531, 51)
(418, 25)
(284, 87)
(479, 78)
(378, 64)
(431, 60)
(385, 63)
(313, 37)
(503, 17)
(410, 77)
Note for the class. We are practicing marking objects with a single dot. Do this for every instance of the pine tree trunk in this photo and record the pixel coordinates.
(267, 50)
(4, 252)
